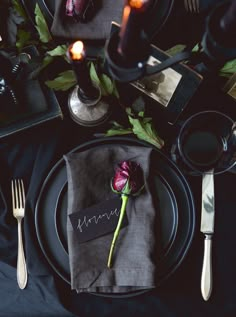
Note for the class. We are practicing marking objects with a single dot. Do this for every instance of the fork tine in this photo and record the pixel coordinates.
(22, 193)
(194, 5)
(16, 194)
(186, 5)
(198, 5)
(190, 6)
(17, 197)
(13, 194)
(19, 192)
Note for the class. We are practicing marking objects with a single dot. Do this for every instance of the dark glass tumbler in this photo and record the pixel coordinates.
(206, 141)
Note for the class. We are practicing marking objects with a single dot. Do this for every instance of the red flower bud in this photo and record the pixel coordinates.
(79, 9)
(128, 174)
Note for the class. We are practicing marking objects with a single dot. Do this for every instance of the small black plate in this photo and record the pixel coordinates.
(176, 208)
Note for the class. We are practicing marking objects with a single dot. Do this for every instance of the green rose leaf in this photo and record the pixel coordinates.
(41, 26)
(64, 81)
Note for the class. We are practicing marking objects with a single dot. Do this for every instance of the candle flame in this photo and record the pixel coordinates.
(139, 4)
(77, 51)
(136, 4)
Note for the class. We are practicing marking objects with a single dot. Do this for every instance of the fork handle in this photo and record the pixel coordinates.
(21, 264)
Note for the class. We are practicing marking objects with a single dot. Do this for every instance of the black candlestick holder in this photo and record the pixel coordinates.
(88, 111)
(215, 49)
(131, 69)
(120, 68)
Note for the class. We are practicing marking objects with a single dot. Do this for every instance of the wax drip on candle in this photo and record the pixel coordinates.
(131, 29)
(77, 56)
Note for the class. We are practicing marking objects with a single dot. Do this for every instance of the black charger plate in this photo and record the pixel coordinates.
(176, 212)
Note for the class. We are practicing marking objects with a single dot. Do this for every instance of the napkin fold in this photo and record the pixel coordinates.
(97, 28)
(89, 174)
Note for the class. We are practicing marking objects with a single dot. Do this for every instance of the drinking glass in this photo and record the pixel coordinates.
(206, 141)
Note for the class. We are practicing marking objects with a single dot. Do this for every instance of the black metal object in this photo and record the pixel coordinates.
(126, 71)
(216, 50)
(7, 75)
(213, 55)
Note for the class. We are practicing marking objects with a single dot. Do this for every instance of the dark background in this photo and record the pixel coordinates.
(32, 153)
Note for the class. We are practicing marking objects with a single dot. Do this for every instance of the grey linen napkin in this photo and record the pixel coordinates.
(89, 174)
(98, 28)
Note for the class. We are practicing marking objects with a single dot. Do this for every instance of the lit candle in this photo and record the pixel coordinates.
(132, 26)
(77, 56)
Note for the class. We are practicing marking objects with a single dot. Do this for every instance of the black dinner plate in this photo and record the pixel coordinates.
(176, 213)
(159, 13)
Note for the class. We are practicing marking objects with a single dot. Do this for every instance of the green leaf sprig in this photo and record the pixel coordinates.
(141, 126)
(25, 34)
(144, 129)
(228, 69)
(41, 26)
(66, 80)
(106, 84)
(118, 129)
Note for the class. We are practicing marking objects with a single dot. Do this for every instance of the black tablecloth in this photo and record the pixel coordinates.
(30, 155)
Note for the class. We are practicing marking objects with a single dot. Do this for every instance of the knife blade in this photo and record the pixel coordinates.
(207, 228)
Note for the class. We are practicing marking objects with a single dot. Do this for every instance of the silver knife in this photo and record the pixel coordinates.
(207, 228)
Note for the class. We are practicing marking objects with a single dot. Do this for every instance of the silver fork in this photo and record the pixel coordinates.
(192, 6)
(18, 205)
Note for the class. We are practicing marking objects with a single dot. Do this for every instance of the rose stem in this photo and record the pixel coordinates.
(117, 231)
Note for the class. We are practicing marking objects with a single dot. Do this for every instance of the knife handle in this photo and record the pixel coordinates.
(206, 279)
